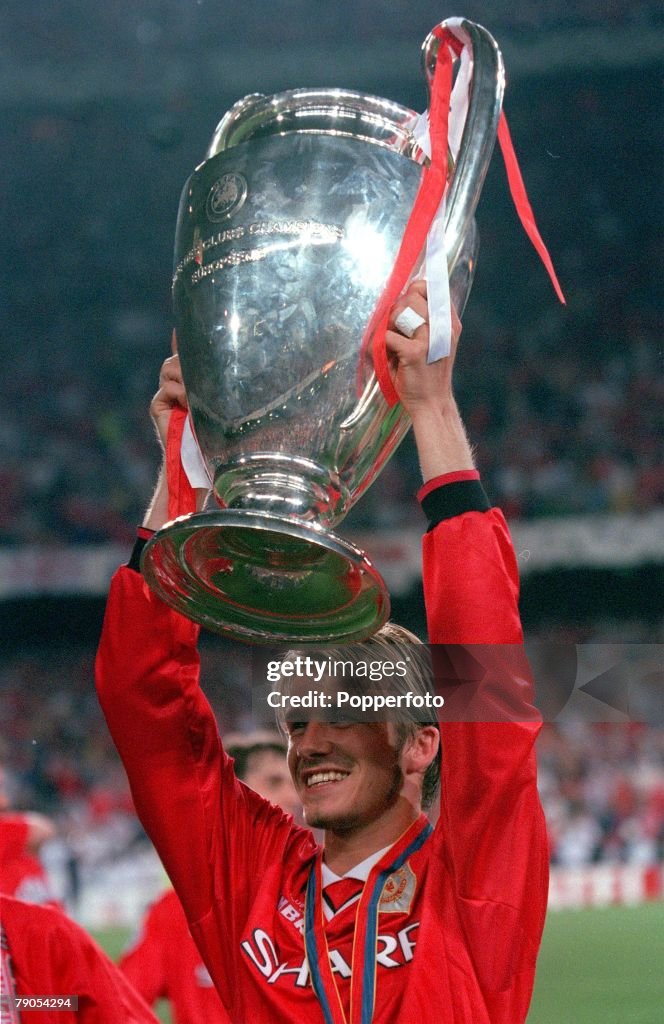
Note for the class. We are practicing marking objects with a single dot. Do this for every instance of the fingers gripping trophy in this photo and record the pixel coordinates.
(310, 214)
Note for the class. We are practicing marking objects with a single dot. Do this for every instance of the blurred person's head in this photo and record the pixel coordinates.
(260, 762)
(40, 828)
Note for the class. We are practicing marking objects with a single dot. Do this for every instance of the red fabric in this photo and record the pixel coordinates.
(428, 199)
(163, 963)
(522, 204)
(14, 832)
(22, 874)
(446, 478)
(50, 955)
(181, 495)
(240, 865)
(8, 1007)
(339, 893)
(653, 883)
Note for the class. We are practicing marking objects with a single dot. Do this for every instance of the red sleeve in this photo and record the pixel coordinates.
(51, 955)
(216, 838)
(143, 961)
(104, 993)
(491, 828)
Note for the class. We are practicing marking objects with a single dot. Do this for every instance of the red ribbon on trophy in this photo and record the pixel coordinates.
(429, 199)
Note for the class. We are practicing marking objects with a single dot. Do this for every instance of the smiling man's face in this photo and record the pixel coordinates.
(347, 775)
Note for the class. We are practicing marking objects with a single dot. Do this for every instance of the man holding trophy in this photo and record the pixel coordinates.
(280, 322)
(466, 936)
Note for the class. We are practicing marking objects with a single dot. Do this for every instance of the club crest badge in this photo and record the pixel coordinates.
(226, 196)
(398, 891)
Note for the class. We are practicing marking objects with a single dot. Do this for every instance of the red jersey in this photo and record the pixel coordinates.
(22, 875)
(50, 955)
(163, 963)
(459, 944)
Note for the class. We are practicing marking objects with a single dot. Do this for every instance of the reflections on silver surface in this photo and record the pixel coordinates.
(287, 234)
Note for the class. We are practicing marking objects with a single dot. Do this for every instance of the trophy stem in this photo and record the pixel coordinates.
(283, 485)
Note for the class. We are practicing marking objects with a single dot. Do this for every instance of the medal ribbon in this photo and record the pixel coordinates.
(363, 978)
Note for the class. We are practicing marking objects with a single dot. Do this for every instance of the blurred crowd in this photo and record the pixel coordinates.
(602, 789)
(59, 758)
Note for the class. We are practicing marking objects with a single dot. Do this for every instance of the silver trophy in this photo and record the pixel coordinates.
(286, 236)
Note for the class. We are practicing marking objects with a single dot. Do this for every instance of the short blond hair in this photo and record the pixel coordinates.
(391, 643)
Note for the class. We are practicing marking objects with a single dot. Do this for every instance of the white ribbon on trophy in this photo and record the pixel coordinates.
(434, 266)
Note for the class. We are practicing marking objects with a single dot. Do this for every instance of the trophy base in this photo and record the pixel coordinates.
(266, 578)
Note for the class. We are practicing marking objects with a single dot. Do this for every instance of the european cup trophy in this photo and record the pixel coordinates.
(287, 233)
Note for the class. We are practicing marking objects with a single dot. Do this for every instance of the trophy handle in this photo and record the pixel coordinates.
(461, 278)
(487, 86)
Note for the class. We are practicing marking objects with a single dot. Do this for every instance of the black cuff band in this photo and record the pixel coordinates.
(453, 499)
(135, 560)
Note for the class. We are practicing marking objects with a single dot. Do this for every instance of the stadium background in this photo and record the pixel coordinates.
(105, 111)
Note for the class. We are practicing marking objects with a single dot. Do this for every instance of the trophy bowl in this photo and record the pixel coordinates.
(286, 235)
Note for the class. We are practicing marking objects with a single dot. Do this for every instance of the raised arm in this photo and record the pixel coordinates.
(425, 391)
(213, 834)
(491, 829)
